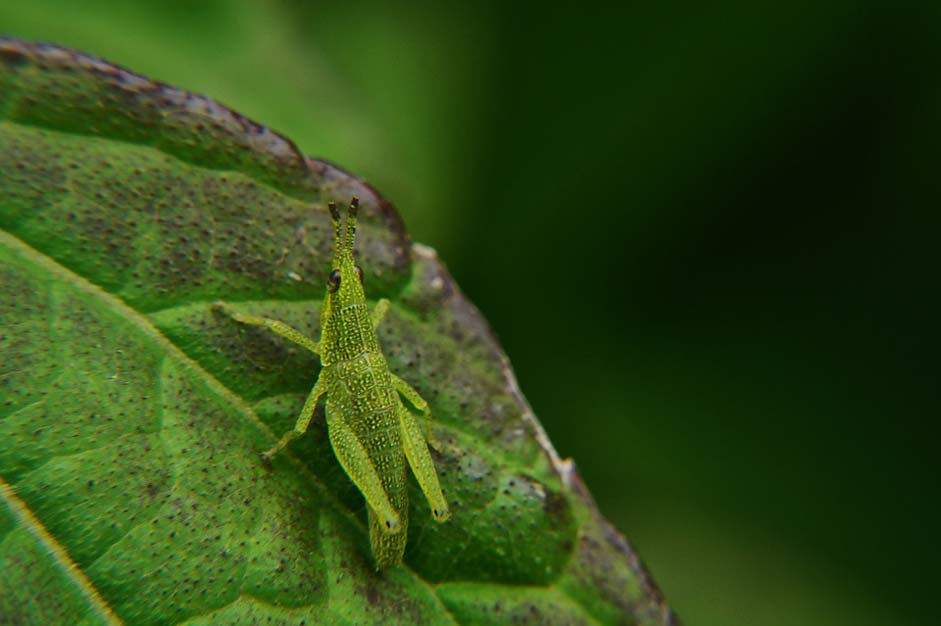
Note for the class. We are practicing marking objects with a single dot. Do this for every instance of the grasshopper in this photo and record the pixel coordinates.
(372, 432)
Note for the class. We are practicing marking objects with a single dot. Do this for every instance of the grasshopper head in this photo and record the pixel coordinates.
(345, 282)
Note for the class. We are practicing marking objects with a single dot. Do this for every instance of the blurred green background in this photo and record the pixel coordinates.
(707, 238)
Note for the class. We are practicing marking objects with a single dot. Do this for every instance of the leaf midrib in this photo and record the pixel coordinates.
(60, 556)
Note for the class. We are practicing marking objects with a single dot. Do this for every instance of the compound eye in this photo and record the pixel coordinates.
(333, 281)
(359, 274)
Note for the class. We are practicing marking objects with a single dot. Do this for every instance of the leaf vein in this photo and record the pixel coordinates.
(60, 556)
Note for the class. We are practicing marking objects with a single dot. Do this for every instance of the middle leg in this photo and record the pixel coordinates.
(303, 421)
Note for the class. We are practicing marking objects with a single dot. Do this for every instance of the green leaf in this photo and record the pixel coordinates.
(132, 413)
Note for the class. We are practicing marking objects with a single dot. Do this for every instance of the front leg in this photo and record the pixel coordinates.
(379, 312)
(289, 333)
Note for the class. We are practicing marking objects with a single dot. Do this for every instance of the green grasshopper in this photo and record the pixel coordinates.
(372, 432)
